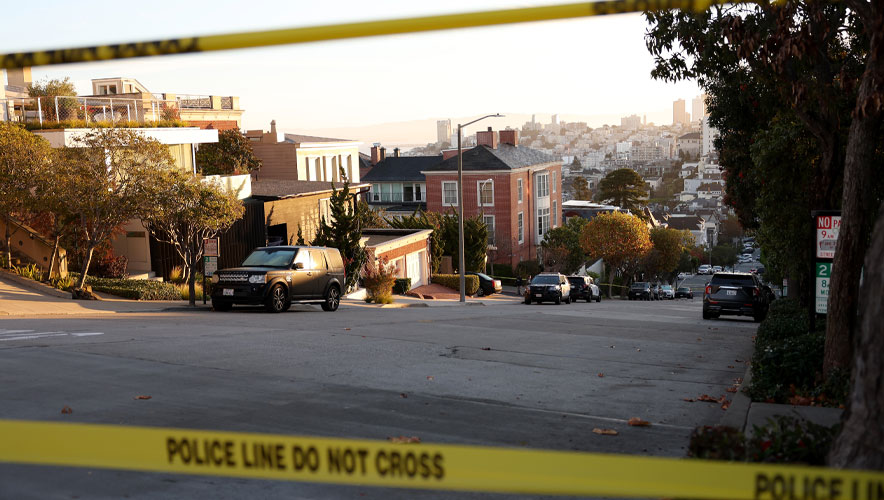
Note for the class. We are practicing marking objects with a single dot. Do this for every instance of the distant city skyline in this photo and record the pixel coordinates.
(595, 67)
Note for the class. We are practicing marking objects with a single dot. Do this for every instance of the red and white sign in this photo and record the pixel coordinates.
(210, 247)
(827, 227)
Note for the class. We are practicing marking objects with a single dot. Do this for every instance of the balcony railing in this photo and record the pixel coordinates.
(55, 109)
(195, 101)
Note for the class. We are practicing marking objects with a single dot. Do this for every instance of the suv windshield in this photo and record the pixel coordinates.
(640, 284)
(667, 287)
(732, 280)
(545, 280)
(576, 280)
(270, 257)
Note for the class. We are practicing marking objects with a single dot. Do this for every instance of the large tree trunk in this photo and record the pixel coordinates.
(8, 236)
(54, 255)
(85, 270)
(858, 203)
(860, 445)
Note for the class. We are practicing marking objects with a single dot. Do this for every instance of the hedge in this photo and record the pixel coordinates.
(453, 281)
(402, 286)
(135, 289)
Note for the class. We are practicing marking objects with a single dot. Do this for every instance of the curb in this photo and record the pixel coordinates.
(738, 412)
(34, 285)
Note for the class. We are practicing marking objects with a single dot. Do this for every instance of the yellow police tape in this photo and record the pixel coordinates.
(424, 466)
(342, 31)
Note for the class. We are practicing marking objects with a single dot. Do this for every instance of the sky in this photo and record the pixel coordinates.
(592, 69)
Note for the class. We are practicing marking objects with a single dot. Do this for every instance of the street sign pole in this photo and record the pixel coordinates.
(211, 252)
(827, 225)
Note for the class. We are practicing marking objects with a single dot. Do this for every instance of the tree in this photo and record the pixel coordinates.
(183, 211)
(111, 170)
(22, 156)
(581, 188)
(562, 250)
(669, 246)
(823, 59)
(620, 239)
(575, 165)
(55, 88)
(369, 217)
(424, 220)
(344, 232)
(232, 154)
(724, 255)
(54, 200)
(623, 188)
(731, 229)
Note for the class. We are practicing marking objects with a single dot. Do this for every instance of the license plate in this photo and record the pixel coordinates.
(731, 292)
(228, 291)
(538, 295)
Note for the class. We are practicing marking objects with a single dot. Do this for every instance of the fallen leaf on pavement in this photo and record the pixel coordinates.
(710, 399)
(738, 361)
(67, 410)
(637, 422)
(689, 400)
(486, 348)
(142, 397)
(403, 395)
(699, 339)
(725, 405)
(731, 389)
(429, 377)
(730, 366)
(601, 375)
(404, 439)
(738, 380)
(800, 401)
(346, 329)
(605, 432)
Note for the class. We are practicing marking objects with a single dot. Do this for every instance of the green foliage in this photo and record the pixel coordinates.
(424, 220)
(300, 241)
(30, 271)
(453, 281)
(184, 291)
(791, 440)
(379, 280)
(668, 249)
(717, 443)
(369, 217)
(232, 154)
(402, 286)
(46, 125)
(624, 188)
(562, 250)
(344, 232)
(62, 282)
(52, 88)
(503, 270)
(581, 188)
(176, 275)
(445, 237)
(788, 367)
(134, 289)
(528, 268)
(724, 255)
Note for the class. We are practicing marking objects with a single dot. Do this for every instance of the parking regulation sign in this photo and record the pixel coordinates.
(823, 282)
(210, 265)
(827, 227)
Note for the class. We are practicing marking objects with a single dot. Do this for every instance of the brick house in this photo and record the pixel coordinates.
(516, 189)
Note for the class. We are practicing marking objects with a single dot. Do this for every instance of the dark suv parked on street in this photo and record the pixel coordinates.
(550, 287)
(740, 294)
(582, 287)
(640, 290)
(276, 276)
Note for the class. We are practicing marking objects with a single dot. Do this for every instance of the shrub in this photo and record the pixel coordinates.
(176, 275)
(378, 280)
(502, 270)
(528, 268)
(62, 283)
(453, 281)
(184, 291)
(109, 266)
(30, 271)
(402, 285)
(786, 367)
(792, 440)
(133, 289)
(717, 443)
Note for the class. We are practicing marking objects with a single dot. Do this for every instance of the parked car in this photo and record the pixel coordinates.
(277, 276)
(682, 276)
(666, 292)
(704, 269)
(685, 292)
(548, 287)
(640, 290)
(583, 287)
(740, 294)
(487, 284)
(716, 269)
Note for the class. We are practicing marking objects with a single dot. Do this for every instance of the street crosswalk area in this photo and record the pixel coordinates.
(9, 335)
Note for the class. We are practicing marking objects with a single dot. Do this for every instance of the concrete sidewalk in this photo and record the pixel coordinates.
(22, 297)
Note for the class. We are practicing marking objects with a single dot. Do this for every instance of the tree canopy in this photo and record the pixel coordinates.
(562, 250)
(232, 154)
(344, 232)
(581, 188)
(620, 239)
(623, 188)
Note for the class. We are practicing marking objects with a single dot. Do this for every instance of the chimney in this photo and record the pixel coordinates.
(383, 153)
(375, 154)
(448, 153)
(396, 152)
(510, 137)
(487, 138)
(273, 127)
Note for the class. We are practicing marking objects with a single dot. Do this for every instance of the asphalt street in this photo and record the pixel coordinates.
(508, 375)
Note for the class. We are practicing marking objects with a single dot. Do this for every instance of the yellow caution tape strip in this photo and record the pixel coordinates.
(342, 31)
(424, 466)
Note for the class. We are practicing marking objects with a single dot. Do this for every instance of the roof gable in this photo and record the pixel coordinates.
(505, 157)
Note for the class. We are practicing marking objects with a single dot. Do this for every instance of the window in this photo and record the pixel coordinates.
(554, 181)
(486, 193)
(543, 185)
(325, 210)
(449, 193)
(489, 221)
(555, 214)
(408, 193)
(542, 221)
(520, 219)
(375, 192)
(519, 189)
(419, 192)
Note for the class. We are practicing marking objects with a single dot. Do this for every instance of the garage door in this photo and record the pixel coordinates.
(413, 268)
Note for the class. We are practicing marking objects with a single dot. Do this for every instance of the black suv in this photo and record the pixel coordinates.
(640, 290)
(548, 287)
(276, 276)
(582, 287)
(740, 294)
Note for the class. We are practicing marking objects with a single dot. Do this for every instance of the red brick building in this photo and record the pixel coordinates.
(518, 191)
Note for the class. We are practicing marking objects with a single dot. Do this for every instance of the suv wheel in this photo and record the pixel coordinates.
(277, 300)
(599, 297)
(332, 299)
(559, 299)
(527, 299)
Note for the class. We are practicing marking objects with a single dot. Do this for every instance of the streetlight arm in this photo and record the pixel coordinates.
(496, 115)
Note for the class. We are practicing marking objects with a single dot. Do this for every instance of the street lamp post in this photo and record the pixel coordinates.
(460, 243)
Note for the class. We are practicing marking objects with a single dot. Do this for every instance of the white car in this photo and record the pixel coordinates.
(704, 269)
(681, 276)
